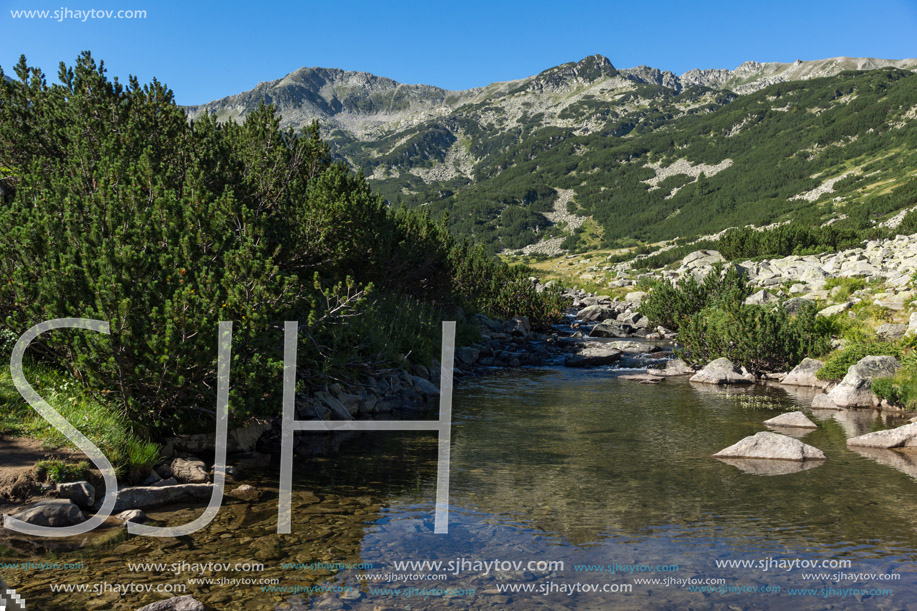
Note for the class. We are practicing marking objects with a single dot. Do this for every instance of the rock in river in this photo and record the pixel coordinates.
(179, 603)
(792, 419)
(771, 446)
(596, 313)
(674, 367)
(855, 390)
(59, 512)
(594, 354)
(804, 374)
(611, 328)
(189, 471)
(903, 436)
(723, 371)
(82, 493)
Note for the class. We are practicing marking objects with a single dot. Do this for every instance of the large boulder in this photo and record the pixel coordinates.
(804, 374)
(634, 319)
(594, 354)
(723, 371)
(762, 297)
(673, 367)
(633, 347)
(855, 390)
(823, 401)
(794, 305)
(82, 493)
(424, 386)
(467, 355)
(836, 309)
(891, 332)
(702, 258)
(241, 439)
(611, 328)
(189, 471)
(493, 325)
(901, 437)
(791, 419)
(771, 446)
(59, 512)
(179, 603)
(596, 313)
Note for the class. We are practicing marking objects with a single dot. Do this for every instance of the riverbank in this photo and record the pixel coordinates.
(602, 333)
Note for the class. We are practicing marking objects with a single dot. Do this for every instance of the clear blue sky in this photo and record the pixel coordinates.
(207, 50)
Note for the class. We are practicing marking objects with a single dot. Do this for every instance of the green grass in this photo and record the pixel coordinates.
(62, 471)
(848, 286)
(130, 454)
(838, 362)
(900, 389)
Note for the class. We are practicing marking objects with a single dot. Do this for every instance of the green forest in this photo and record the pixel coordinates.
(782, 142)
(116, 207)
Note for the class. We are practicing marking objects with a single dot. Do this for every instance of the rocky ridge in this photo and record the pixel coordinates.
(365, 105)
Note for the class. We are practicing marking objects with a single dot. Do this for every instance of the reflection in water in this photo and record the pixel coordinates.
(904, 460)
(757, 466)
(565, 466)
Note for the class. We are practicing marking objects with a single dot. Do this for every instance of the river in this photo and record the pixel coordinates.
(562, 481)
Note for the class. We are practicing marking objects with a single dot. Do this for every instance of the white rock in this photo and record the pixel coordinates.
(132, 515)
(912, 324)
(855, 390)
(804, 374)
(823, 401)
(179, 603)
(723, 371)
(792, 419)
(771, 446)
(902, 436)
(836, 309)
(245, 492)
(761, 298)
(674, 367)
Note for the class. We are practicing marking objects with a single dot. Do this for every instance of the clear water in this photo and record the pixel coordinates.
(574, 467)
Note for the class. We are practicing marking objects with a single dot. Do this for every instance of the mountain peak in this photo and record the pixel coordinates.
(560, 78)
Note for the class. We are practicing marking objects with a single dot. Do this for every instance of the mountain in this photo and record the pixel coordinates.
(585, 152)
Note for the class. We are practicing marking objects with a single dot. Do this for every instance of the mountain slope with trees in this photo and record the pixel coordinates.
(648, 155)
(117, 208)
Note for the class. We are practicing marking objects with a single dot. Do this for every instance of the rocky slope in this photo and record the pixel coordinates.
(365, 105)
(644, 154)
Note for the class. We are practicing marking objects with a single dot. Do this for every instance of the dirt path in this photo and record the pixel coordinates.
(18, 456)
